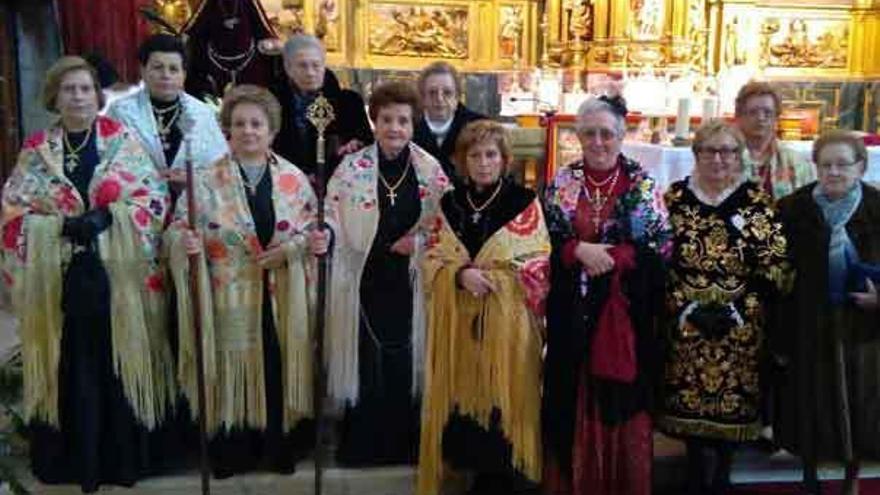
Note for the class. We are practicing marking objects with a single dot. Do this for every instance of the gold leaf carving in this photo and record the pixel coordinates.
(803, 43)
(419, 31)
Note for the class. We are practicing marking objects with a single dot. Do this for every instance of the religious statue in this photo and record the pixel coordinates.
(648, 15)
(439, 31)
(511, 32)
(327, 22)
(230, 42)
(581, 24)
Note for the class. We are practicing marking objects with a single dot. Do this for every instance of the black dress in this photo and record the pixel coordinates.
(99, 441)
(239, 450)
(467, 445)
(382, 428)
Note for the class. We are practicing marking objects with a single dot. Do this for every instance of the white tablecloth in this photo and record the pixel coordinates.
(668, 164)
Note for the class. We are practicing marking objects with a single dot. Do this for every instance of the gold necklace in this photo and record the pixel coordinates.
(163, 127)
(392, 195)
(597, 201)
(71, 161)
(253, 183)
(475, 216)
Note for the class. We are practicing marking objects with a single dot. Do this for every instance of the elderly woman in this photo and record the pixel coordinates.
(381, 201)
(161, 112)
(253, 211)
(445, 116)
(729, 259)
(486, 277)
(609, 232)
(831, 395)
(82, 217)
(306, 76)
(778, 169)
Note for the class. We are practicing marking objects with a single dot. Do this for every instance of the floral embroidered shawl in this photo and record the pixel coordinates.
(36, 199)
(353, 213)
(499, 367)
(232, 297)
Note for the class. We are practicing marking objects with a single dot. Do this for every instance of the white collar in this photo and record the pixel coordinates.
(439, 129)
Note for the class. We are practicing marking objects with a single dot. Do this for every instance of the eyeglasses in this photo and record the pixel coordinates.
(767, 113)
(602, 133)
(842, 166)
(707, 153)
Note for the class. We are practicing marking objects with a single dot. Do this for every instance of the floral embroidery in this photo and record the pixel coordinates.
(107, 192)
(526, 222)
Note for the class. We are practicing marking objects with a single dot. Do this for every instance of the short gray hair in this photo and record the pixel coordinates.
(593, 105)
(299, 42)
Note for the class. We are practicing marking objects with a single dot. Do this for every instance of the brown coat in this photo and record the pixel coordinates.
(829, 406)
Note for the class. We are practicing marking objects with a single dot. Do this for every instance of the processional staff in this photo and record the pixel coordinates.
(186, 125)
(320, 114)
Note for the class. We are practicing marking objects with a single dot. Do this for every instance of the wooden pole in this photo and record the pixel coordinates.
(197, 326)
(320, 114)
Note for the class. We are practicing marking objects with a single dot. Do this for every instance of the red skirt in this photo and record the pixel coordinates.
(606, 460)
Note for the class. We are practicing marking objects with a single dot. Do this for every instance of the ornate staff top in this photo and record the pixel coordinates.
(320, 114)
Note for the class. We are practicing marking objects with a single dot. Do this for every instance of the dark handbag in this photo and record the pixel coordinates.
(86, 286)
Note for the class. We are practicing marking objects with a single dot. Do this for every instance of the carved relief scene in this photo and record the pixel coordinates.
(798, 42)
(417, 31)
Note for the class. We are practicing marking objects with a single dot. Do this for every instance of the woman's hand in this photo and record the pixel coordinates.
(349, 147)
(404, 246)
(174, 176)
(192, 242)
(475, 281)
(273, 258)
(319, 242)
(595, 258)
(866, 300)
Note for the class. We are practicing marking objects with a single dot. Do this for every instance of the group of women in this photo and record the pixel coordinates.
(477, 329)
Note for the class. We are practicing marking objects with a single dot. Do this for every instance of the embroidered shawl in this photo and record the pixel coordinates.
(36, 199)
(639, 215)
(788, 170)
(485, 352)
(207, 140)
(231, 295)
(353, 213)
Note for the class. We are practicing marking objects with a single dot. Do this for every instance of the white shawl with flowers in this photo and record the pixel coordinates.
(353, 214)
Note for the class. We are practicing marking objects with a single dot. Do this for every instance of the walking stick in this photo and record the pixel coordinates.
(197, 316)
(320, 114)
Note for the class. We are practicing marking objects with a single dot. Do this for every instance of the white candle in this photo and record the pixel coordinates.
(709, 105)
(683, 119)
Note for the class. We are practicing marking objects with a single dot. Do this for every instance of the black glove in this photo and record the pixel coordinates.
(713, 320)
(84, 228)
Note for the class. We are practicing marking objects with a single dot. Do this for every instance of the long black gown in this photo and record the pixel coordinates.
(100, 441)
(245, 449)
(383, 427)
(467, 445)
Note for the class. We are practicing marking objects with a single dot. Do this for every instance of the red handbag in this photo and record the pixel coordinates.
(613, 348)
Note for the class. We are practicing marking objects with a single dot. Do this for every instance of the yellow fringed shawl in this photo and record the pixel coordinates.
(231, 297)
(485, 353)
(36, 199)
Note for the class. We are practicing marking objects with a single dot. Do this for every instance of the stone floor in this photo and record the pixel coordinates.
(750, 466)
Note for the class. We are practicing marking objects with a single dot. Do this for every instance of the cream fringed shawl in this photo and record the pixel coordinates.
(353, 213)
(485, 353)
(231, 296)
(36, 198)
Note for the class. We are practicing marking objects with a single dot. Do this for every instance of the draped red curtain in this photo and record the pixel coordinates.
(113, 28)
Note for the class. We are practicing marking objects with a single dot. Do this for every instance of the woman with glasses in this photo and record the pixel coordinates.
(729, 259)
(778, 169)
(609, 236)
(831, 342)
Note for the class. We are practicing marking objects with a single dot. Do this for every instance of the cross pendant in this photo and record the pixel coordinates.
(475, 217)
(71, 163)
(231, 22)
(392, 196)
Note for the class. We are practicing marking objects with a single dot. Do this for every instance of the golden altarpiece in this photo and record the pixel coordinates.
(825, 54)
